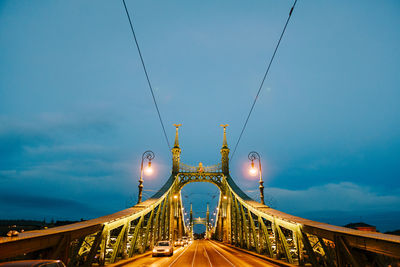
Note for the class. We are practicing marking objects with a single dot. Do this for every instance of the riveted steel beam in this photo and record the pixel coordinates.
(103, 246)
(240, 224)
(118, 244)
(245, 226)
(253, 232)
(157, 226)
(146, 235)
(94, 247)
(265, 234)
(61, 250)
(309, 248)
(328, 253)
(135, 236)
(234, 221)
(163, 224)
(283, 242)
(344, 250)
(74, 257)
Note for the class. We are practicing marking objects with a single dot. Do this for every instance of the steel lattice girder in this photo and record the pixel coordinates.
(374, 242)
(98, 229)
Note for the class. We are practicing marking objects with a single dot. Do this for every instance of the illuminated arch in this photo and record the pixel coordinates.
(216, 179)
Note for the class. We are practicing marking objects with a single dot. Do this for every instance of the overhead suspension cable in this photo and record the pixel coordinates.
(263, 79)
(147, 75)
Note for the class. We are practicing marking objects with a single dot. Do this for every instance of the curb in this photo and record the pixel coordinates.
(126, 261)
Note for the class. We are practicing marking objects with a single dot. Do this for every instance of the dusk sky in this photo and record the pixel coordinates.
(76, 113)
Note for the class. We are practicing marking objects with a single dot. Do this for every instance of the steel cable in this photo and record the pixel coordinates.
(263, 79)
(147, 75)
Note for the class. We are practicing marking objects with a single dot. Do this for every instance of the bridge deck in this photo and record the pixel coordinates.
(202, 253)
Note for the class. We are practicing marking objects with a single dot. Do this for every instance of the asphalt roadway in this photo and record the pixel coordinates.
(201, 253)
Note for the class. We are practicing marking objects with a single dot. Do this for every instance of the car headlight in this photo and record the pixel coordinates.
(154, 250)
(166, 250)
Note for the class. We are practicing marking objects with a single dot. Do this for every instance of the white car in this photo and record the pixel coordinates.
(163, 248)
(178, 242)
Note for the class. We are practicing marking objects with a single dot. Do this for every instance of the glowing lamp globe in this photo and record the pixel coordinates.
(148, 170)
(253, 170)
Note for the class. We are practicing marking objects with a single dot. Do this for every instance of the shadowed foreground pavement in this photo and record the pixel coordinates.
(200, 253)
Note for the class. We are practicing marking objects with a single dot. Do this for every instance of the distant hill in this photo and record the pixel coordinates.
(395, 232)
(28, 225)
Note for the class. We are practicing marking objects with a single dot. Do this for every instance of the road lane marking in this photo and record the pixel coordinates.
(163, 261)
(194, 256)
(207, 256)
(212, 245)
(179, 256)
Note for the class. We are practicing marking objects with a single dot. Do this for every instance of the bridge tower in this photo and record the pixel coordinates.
(225, 152)
(175, 222)
(176, 152)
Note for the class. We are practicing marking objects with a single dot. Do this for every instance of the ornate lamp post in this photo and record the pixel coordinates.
(149, 155)
(254, 156)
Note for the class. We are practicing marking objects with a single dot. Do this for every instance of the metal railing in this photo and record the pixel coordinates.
(200, 168)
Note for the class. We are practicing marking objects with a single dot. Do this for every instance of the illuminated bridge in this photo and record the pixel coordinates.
(240, 222)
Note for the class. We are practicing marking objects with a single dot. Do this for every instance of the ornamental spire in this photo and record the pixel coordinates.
(224, 142)
(176, 144)
(176, 153)
(225, 153)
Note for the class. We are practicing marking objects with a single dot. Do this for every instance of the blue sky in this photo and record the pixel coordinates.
(76, 113)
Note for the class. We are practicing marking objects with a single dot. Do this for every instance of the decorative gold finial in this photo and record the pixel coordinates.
(200, 168)
(176, 144)
(224, 125)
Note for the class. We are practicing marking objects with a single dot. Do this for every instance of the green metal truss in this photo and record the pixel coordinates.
(240, 221)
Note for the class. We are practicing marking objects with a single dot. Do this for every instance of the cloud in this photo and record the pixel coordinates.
(49, 137)
(338, 204)
(62, 157)
(344, 196)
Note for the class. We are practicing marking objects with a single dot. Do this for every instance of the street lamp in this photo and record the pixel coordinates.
(149, 155)
(253, 171)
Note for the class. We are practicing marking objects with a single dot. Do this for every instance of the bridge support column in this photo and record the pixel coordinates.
(227, 218)
(103, 246)
(219, 233)
(172, 221)
(180, 218)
